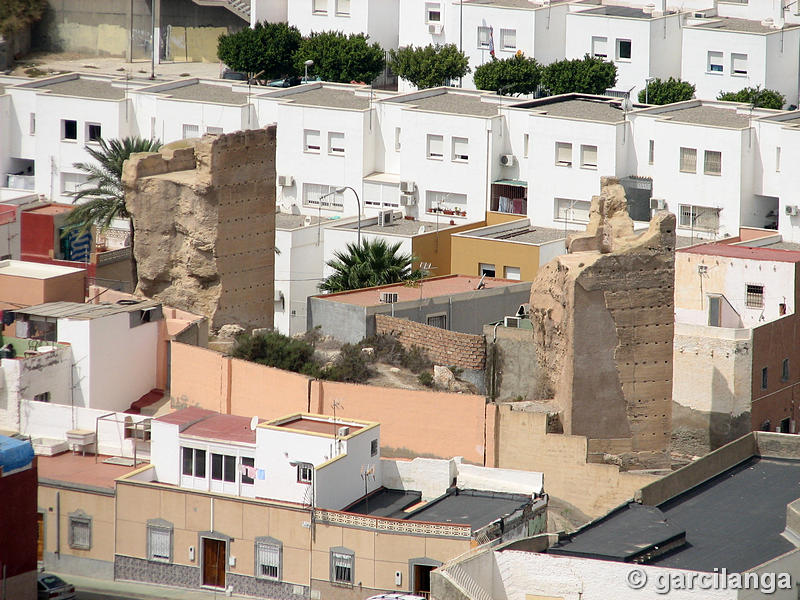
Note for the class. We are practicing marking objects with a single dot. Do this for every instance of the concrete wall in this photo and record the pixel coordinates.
(512, 363)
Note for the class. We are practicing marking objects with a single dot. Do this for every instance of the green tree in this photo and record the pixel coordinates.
(267, 47)
(340, 57)
(18, 14)
(429, 66)
(755, 96)
(370, 264)
(275, 350)
(516, 75)
(587, 75)
(666, 91)
(103, 189)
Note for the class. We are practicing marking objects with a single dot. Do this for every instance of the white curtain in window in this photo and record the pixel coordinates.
(343, 7)
(508, 38)
(712, 162)
(159, 543)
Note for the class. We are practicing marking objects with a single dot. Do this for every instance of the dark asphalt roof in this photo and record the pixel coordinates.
(733, 521)
(386, 503)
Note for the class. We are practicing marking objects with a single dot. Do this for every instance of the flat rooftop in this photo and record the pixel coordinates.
(475, 508)
(401, 226)
(288, 221)
(81, 470)
(208, 424)
(713, 116)
(426, 288)
(733, 521)
(528, 234)
(447, 101)
(740, 25)
(328, 97)
(206, 92)
(745, 252)
(619, 11)
(521, 4)
(32, 270)
(77, 310)
(82, 87)
(51, 209)
(325, 426)
(598, 109)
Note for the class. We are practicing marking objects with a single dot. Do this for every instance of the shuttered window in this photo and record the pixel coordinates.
(589, 156)
(738, 64)
(311, 140)
(336, 143)
(460, 149)
(190, 131)
(599, 47)
(342, 7)
(80, 531)
(564, 154)
(315, 193)
(435, 146)
(508, 39)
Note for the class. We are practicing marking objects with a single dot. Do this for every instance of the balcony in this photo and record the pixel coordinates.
(509, 196)
(20, 182)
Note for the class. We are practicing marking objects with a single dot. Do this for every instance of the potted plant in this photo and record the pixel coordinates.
(447, 211)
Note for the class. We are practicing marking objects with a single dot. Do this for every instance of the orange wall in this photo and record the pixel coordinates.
(413, 423)
(435, 248)
(495, 218)
(199, 378)
(266, 392)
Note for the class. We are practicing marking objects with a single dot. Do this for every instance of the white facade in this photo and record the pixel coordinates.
(376, 18)
(12, 203)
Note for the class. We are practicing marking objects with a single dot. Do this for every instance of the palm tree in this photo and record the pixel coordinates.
(104, 190)
(370, 264)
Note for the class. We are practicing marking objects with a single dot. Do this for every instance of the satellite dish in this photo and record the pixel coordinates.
(254, 423)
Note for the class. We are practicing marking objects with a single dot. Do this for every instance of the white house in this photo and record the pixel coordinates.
(377, 18)
(775, 179)
(12, 203)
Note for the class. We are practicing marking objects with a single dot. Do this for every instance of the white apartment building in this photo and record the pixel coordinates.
(377, 18)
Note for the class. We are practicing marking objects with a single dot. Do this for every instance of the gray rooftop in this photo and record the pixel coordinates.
(588, 109)
(206, 92)
(618, 11)
(328, 97)
(523, 4)
(740, 25)
(452, 102)
(287, 221)
(530, 234)
(784, 246)
(401, 226)
(76, 310)
(708, 115)
(82, 87)
(732, 521)
(684, 242)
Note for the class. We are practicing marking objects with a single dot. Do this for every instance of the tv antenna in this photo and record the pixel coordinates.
(367, 474)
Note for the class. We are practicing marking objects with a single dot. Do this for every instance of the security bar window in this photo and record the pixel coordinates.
(342, 566)
(712, 162)
(567, 209)
(304, 474)
(439, 321)
(688, 160)
(268, 559)
(80, 531)
(698, 217)
(190, 131)
(159, 541)
(754, 296)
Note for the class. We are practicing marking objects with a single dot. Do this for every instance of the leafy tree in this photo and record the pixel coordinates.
(370, 264)
(587, 75)
(268, 47)
(666, 91)
(755, 96)
(515, 75)
(106, 196)
(18, 14)
(340, 57)
(429, 66)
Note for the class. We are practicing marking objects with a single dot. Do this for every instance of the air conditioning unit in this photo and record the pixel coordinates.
(388, 297)
(408, 200)
(385, 218)
(511, 322)
(657, 204)
(435, 28)
(407, 187)
(285, 180)
(343, 432)
(507, 160)
(792, 210)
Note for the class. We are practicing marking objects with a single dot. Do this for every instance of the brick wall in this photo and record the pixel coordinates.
(443, 347)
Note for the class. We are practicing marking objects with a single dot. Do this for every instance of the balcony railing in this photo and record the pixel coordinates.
(20, 182)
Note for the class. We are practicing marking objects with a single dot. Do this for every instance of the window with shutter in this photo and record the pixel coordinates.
(484, 34)
(599, 47)
(190, 131)
(315, 194)
(589, 156)
(460, 149)
(564, 154)
(320, 6)
(739, 64)
(336, 143)
(311, 141)
(508, 39)
(435, 146)
(715, 62)
(342, 7)
(80, 531)
(688, 160)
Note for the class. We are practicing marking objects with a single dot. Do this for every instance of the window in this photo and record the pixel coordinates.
(714, 311)
(764, 378)
(486, 269)
(94, 132)
(589, 157)
(223, 467)
(435, 147)
(599, 47)
(315, 194)
(43, 397)
(216, 130)
(785, 370)
(739, 64)
(342, 561)
(32, 124)
(526, 141)
(439, 321)
(159, 540)
(311, 141)
(433, 12)
(563, 154)
(304, 473)
(712, 162)
(508, 39)
(194, 462)
(343, 7)
(336, 143)
(651, 152)
(511, 273)
(623, 49)
(754, 296)
(373, 448)
(381, 194)
(80, 531)
(715, 62)
(484, 37)
(688, 160)
(572, 210)
(699, 217)
(248, 468)
(72, 182)
(778, 159)
(190, 131)
(69, 130)
(319, 6)
(460, 149)
(268, 553)
(397, 139)
(445, 202)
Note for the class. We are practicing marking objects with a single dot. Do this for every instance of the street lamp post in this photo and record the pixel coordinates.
(310, 466)
(341, 190)
(307, 64)
(647, 81)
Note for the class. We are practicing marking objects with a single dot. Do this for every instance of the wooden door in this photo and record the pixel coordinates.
(40, 537)
(213, 562)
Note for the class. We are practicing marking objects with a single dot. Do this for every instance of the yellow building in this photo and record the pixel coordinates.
(507, 247)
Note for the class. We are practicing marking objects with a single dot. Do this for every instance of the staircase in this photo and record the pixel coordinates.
(241, 8)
